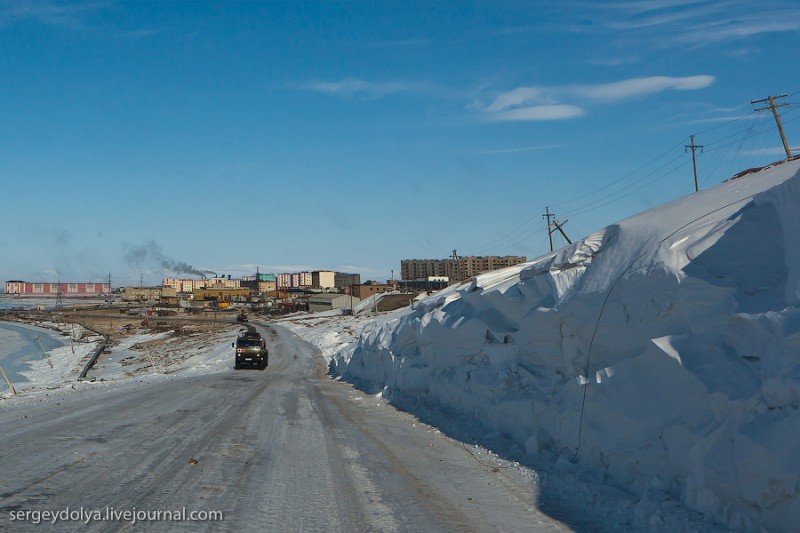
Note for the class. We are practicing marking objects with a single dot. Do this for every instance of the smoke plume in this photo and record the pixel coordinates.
(150, 252)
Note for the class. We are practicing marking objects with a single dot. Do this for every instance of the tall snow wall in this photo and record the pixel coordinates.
(663, 351)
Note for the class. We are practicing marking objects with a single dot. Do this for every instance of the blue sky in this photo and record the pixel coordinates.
(351, 135)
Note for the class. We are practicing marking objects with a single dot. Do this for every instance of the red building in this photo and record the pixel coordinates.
(67, 290)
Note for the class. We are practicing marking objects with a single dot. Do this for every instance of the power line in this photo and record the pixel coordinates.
(694, 161)
(599, 189)
(583, 208)
(623, 187)
(774, 108)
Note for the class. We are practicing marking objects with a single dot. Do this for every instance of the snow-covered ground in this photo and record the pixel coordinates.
(144, 355)
(25, 364)
(660, 355)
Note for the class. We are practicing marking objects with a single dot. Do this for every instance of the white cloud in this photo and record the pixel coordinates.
(520, 96)
(641, 86)
(47, 12)
(688, 22)
(738, 29)
(538, 113)
(351, 86)
(548, 103)
(357, 269)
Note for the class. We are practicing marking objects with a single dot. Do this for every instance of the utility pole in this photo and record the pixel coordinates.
(774, 108)
(694, 148)
(456, 265)
(559, 227)
(548, 215)
(553, 226)
(59, 301)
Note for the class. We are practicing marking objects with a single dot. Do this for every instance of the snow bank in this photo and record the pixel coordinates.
(26, 366)
(663, 352)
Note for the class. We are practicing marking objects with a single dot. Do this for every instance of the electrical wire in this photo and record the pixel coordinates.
(745, 132)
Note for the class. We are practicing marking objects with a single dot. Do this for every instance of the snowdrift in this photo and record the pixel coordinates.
(663, 352)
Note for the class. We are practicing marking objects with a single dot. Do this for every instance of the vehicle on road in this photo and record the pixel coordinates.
(241, 317)
(251, 350)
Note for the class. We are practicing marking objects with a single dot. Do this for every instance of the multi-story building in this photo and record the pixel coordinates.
(66, 290)
(189, 285)
(141, 294)
(260, 283)
(342, 280)
(323, 279)
(456, 270)
(297, 280)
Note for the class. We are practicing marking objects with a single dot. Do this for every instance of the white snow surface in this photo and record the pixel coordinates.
(126, 361)
(662, 353)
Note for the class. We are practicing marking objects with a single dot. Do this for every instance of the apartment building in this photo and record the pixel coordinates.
(260, 283)
(297, 280)
(343, 280)
(66, 290)
(189, 285)
(465, 268)
(323, 279)
(142, 294)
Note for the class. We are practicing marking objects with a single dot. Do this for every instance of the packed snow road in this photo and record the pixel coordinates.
(284, 449)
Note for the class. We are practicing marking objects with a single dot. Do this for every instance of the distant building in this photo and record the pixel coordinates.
(342, 280)
(323, 279)
(65, 290)
(429, 284)
(260, 283)
(141, 294)
(328, 301)
(465, 268)
(189, 285)
(297, 280)
(222, 294)
(365, 290)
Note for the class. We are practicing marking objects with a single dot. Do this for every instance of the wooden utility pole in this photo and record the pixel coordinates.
(456, 265)
(10, 386)
(558, 226)
(548, 215)
(694, 148)
(774, 108)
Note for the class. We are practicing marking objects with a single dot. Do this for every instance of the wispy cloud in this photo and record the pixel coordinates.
(146, 32)
(524, 149)
(697, 23)
(359, 269)
(635, 87)
(355, 86)
(46, 11)
(735, 29)
(553, 103)
(538, 113)
(520, 96)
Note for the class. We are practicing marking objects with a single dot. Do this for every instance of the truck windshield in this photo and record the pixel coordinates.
(248, 342)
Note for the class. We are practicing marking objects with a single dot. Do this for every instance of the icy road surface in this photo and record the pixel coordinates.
(285, 449)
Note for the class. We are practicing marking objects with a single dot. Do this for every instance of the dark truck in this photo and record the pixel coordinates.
(251, 350)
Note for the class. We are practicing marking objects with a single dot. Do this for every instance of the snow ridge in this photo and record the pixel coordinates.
(661, 351)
